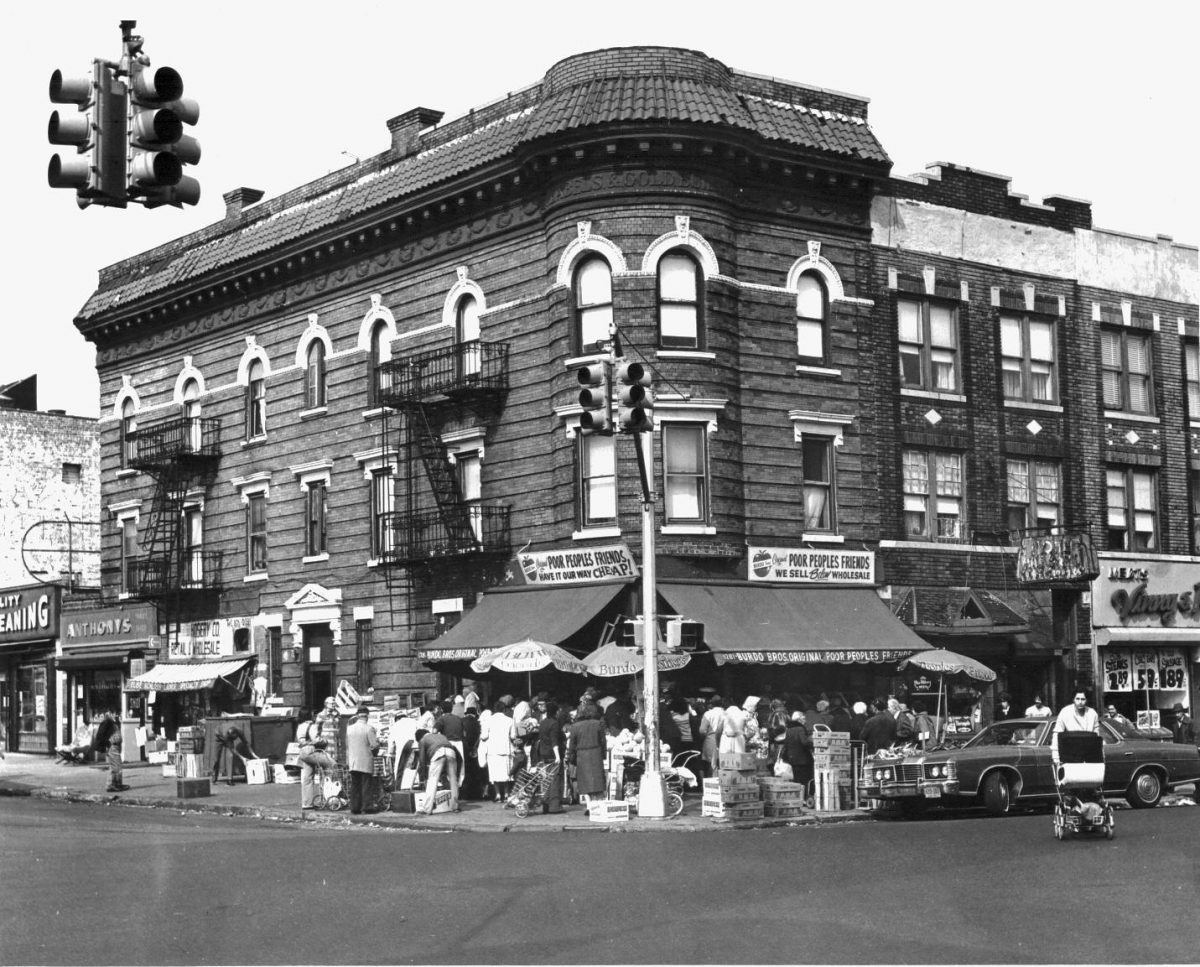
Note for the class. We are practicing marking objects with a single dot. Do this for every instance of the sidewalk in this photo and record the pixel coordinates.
(41, 777)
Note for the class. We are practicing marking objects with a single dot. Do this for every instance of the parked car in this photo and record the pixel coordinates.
(1008, 763)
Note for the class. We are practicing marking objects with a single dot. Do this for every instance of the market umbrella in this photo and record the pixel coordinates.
(612, 660)
(943, 663)
(528, 656)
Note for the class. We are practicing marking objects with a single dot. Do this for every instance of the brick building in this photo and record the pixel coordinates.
(340, 428)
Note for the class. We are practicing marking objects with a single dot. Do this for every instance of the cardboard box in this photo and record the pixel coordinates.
(441, 802)
(744, 810)
(157, 758)
(281, 774)
(738, 761)
(189, 765)
(192, 788)
(781, 809)
(608, 811)
(405, 801)
(258, 772)
(168, 770)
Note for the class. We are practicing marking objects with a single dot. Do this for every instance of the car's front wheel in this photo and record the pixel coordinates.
(997, 794)
(1145, 791)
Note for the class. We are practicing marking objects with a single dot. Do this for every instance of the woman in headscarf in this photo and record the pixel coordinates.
(588, 747)
(733, 733)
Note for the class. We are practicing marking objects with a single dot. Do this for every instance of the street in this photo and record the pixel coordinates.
(90, 884)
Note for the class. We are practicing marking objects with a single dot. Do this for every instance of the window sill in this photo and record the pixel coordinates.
(809, 370)
(1132, 417)
(126, 472)
(313, 413)
(1030, 405)
(590, 533)
(823, 538)
(700, 355)
(704, 529)
(125, 596)
(254, 441)
(934, 395)
(315, 558)
(256, 578)
(377, 413)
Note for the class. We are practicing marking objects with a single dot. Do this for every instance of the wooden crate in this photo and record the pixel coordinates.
(782, 810)
(745, 810)
(737, 761)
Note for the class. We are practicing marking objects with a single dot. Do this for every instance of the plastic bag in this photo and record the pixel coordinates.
(783, 770)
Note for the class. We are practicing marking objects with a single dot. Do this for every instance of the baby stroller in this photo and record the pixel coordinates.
(677, 779)
(1079, 781)
(530, 787)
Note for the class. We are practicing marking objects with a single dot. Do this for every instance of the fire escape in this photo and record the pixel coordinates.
(181, 455)
(427, 389)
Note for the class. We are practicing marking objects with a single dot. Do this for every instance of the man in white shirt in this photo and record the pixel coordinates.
(1076, 717)
(1038, 710)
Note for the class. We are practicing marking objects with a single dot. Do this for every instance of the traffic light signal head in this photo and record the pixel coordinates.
(595, 399)
(97, 131)
(635, 400)
(158, 145)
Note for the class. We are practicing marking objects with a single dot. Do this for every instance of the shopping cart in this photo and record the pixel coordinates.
(530, 787)
(1079, 781)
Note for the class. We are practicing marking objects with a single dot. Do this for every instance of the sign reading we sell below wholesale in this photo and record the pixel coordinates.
(811, 565)
(577, 565)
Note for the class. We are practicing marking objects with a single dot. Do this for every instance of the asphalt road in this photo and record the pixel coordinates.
(87, 884)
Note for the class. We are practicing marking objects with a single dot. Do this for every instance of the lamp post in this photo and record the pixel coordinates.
(651, 792)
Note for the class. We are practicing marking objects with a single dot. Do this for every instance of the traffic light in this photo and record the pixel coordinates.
(158, 146)
(595, 399)
(97, 131)
(635, 401)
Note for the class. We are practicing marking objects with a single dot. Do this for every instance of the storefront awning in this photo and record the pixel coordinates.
(505, 618)
(98, 656)
(185, 676)
(781, 626)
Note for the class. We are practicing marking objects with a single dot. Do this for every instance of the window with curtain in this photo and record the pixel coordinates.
(315, 375)
(1191, 375)
(256, 533)
(928, 334)
(817, 457)
(381, 505)
(933, 495)
(593, 303)
(193, 529)
(1132, 509)
(315, 507)
(1027, 358)
(128, 440)
(597, 480)
(381, 352)
(1034, 495)
(129, 556)
(811, 326)
(256, 401)
(470, 484)
(467, 331)
(191, 416)
(1125, 363)
(685, 491)
(680, 304)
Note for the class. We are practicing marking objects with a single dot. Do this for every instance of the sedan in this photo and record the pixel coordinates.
(1009, 763)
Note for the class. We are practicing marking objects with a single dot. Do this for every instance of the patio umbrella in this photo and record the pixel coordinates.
(612, 660)
(943, 663)
(528, 656)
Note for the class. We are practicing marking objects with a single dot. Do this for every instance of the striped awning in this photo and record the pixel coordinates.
(185, 676)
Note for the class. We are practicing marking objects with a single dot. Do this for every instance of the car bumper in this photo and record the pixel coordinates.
(922, 789)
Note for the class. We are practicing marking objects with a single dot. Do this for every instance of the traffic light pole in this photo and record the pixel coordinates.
(651, 792)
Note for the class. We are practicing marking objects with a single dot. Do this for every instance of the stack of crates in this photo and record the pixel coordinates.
(780, 797)
(734, 792)
(831, 768)
(189, 752)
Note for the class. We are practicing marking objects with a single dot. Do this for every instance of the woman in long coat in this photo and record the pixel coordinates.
(588, 745)
(496, 746)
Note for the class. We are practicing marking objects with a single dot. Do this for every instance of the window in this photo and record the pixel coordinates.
(314, 539)
(381, 352)
(1125, 361)
(597, 480)
(256, 401)
(816, 455)
(129, 556)
(275, 649)
(1132, 510)
(469, 483)
(928, 345)
(314, 381)
(1034, 495)
(363, 633)
(811, 309)
(193, 531)
(191, 415)
(128, 439)
(685, 490)
(467, 331)
(72, 473)
(1027, 351)
(256, 533)
(1191, 372)
(381, 506)
(680, 316)
(933, 495)
(1195, 475)
(593, 303)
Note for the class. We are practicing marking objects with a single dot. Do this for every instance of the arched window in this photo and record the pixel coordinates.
(593, 303)
(381, 352)
(314, 381)
(256, 401)
(680, 306)
(191, 415)
(466, 323)
(128, 440)
(811, 310)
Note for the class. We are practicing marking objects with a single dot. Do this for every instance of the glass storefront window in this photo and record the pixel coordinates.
(31, 709)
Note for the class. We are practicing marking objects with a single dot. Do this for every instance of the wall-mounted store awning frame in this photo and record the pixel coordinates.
(187, 676)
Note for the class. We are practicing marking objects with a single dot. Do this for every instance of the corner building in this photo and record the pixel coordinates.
(341, 427)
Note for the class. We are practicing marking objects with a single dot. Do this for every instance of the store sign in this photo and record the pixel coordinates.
(109, 625)
(29, 613)
(1056, 559)
(1146, 595)
(813, 657)
(578, 565)
(1145, 669)
(204, 639)
(811, 566)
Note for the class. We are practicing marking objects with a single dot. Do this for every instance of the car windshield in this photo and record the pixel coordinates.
(1008, 733)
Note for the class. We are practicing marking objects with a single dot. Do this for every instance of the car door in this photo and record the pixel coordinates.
(1120, 760)
(1037, 771)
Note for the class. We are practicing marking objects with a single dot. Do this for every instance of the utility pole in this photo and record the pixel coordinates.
(651, 791)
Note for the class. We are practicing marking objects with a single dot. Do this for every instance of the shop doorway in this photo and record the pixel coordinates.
(320, 664)
(32, 710)
(319, 685)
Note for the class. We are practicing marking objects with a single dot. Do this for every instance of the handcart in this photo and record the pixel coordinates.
(530, 787)
(1079, 781)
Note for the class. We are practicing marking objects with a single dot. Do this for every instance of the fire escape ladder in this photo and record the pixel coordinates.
(164, 548)
(443, 481)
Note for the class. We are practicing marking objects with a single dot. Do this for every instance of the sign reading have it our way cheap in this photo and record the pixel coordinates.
(578, 566)
(812, 565)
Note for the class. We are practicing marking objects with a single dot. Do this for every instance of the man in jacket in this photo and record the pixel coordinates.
(1183, 730)
(879, 732)
(797, 749)
(107, 742)
(361, 743)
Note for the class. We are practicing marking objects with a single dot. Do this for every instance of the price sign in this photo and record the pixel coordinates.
(1172, 670)
(1116, 671)
(1145, 670)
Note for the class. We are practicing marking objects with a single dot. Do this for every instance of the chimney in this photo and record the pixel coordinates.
(406, 127)
(238, 199)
